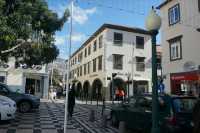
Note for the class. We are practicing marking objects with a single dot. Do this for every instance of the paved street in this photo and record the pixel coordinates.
(50, 118)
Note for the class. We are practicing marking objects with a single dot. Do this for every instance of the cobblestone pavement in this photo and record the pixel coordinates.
(50, 119)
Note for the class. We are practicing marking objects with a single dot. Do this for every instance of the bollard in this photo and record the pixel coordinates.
(122, 127)
(104, 121)
(92, 115)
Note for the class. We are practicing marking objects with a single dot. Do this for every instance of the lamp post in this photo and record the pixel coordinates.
(128, 89)
(153, 23)
(113, 91)
(68, 69)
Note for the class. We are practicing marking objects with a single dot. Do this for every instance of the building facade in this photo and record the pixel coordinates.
(180, 43)
(21, 79)
(113, 53)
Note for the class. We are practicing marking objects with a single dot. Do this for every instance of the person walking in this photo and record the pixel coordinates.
(71, 102)
(196, 117)
(51, 95)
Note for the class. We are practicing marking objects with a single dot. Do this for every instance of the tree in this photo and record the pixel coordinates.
(33, 22)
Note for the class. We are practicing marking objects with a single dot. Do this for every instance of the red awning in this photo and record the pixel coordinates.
(185, 76)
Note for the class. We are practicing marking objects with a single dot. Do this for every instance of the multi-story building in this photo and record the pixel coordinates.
(113, 49)
(180, 45)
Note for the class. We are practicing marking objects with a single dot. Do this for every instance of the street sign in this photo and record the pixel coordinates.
(161, 87)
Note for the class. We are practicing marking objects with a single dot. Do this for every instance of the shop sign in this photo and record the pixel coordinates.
(185, 76)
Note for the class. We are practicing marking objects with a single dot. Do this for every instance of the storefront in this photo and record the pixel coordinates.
(187, 83)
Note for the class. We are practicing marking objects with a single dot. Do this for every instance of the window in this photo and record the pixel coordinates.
(100, 63)
(85, 52)
(199, 5)
(140, 65)
(70, 75)
(88, 67)
(3, 90)
(118, 38)
(94, 65)
(81, 56)
(78, 74)
(100, 41)
(2, 79)
(95, 46)
(183, 105)
(139, 42)
(89, 50)
(80, 70)
(159, 63)
(75, 60)
(174, 14)
(85, 69)
(175, 48)
(71, 62)
(117, 61)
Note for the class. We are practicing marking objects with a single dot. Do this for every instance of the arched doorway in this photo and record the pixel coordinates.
(97, 89)
(79, 89)
(86, 87)
(117, 83)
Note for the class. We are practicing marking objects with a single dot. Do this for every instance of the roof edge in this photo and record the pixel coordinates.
(112, 26)
(163, 4)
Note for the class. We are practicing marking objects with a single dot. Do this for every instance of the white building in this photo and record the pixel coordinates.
(20, 79)
(180, 45)
(123, 50)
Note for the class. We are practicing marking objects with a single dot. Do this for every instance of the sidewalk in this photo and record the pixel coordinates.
(81, 101)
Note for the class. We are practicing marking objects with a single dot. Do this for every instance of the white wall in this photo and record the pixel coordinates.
(126, 49)
(190, 20)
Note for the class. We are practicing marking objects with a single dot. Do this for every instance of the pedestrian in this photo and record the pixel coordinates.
(54, 94)
(121, 94)
(196, 117)
(71, 101)
(32, 90)
(117, 94)
(51, 95)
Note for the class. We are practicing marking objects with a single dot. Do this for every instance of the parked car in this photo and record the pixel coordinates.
(25, 102)
(175, 113)
(7, 108)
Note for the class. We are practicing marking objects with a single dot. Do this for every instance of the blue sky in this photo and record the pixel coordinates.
(89, 15)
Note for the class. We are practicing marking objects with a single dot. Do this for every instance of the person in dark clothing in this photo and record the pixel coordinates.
(32, 90)
(71, 102)
(196, 117)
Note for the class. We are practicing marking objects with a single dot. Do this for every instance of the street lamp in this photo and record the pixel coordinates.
(68, 68)
(113, 93)
(153, 23)
(128, 89)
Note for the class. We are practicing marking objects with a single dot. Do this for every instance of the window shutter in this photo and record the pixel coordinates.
(199, 5)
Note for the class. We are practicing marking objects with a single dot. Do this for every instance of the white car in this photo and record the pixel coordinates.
(7, 108)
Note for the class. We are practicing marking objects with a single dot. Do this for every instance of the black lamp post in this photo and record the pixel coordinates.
(153, 24)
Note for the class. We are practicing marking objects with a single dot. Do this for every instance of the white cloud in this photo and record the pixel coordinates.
(78, 37)
(60, 40)
(81, 15)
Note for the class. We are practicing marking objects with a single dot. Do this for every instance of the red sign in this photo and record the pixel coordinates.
(185, 76)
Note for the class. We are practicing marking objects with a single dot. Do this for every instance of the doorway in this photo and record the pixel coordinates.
(32, 86)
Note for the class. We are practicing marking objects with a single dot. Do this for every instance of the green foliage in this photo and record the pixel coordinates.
(29, 19)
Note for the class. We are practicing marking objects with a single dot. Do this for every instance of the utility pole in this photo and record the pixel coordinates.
(52, 67)
(68, 68)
